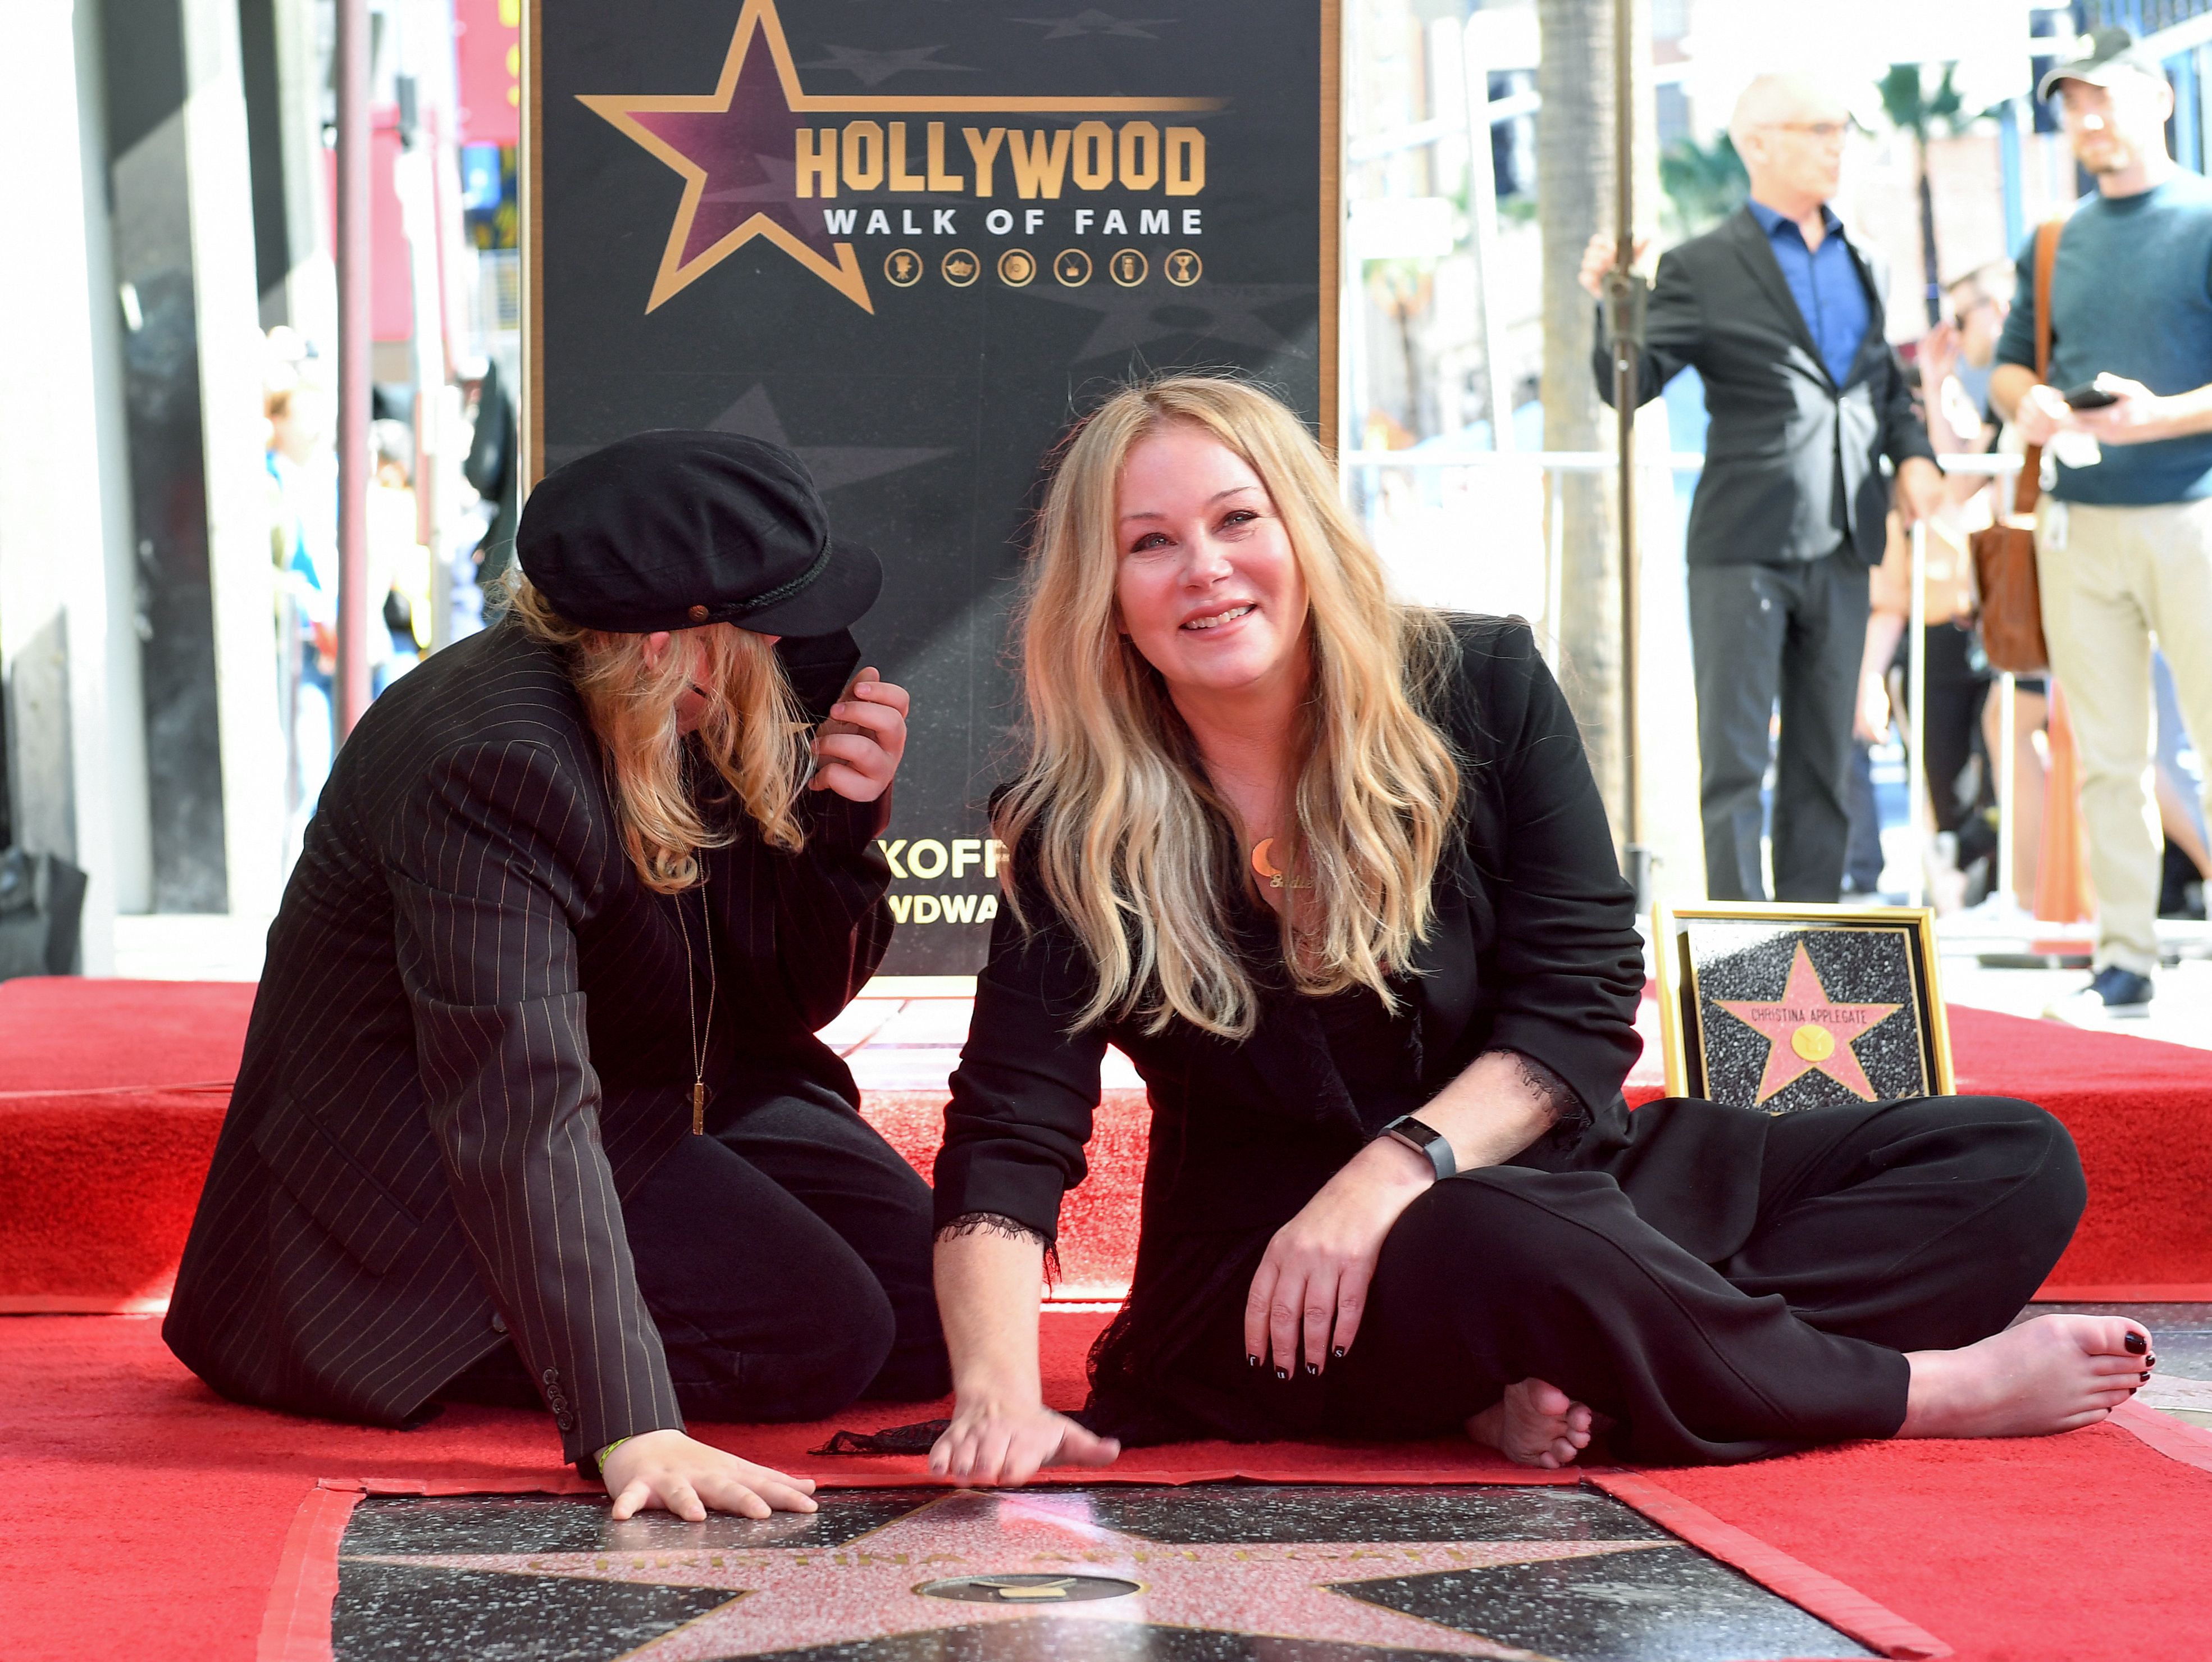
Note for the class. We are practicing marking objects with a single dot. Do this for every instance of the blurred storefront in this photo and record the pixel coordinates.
(166, 468)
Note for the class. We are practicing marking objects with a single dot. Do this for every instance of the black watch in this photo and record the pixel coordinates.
(1425, 1139)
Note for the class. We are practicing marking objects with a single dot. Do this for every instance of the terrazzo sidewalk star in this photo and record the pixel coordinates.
(1049, 1575)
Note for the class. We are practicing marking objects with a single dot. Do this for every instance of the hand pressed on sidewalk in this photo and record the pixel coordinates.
(679, 1474)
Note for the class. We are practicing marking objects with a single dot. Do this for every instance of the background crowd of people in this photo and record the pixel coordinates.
(301, 460)
(1800, 568)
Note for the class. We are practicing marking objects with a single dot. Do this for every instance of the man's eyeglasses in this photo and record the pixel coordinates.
(1826, 133)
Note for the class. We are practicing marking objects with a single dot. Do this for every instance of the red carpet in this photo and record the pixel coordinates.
(150, 1512)
(156, 1512)
(99, 1077)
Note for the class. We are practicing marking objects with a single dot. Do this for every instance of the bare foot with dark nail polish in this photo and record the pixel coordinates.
(1534, 1424)
(2054, 1373)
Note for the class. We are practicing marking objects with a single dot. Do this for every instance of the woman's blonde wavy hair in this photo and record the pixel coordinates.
(1129, 840)
(751, 732)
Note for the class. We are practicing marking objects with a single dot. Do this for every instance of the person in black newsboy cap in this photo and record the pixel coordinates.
(531, 1109)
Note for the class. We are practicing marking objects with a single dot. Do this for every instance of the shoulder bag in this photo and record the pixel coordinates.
(2011, 610)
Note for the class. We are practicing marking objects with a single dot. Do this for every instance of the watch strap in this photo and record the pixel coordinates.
(1425, 1139)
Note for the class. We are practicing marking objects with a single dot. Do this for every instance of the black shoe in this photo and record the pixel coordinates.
(2113, 993)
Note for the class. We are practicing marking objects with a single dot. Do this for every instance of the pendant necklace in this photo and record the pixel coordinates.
(699, 1036)
(1263, 862)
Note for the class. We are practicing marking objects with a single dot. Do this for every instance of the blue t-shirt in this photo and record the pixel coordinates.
(2131, 294)
(1825, 281)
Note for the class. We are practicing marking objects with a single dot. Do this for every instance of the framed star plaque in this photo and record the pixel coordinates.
(1783, 1007)
(912, 241)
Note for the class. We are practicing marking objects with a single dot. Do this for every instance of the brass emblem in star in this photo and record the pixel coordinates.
(1129, 268)
(961, 268)
(1072, 267)
(735, 149)
(1016, 267)
(1028, 1589)
(1183, 268)
(903, 268)
(1805, 1031)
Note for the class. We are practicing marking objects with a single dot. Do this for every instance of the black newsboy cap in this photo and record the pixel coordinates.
(674, 529)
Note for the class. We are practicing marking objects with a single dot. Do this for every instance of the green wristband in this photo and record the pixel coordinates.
(610, 1449)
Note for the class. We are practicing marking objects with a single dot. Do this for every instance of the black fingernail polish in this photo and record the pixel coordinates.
(1337, 1353)
(1282, 1374)
(2137, 1343)
(1312, 1368)
(1250, 1360)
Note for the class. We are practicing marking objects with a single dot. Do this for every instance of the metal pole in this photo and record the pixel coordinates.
(1482, 202)
(351, 72)
(2008, 737)
(1555, 545)
(1626, 293)
(1916, 726)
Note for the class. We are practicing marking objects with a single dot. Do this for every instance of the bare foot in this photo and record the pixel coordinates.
(2054, 1373)
(1534, 1424)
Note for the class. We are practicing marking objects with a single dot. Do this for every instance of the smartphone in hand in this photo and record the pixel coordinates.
(2089, 396)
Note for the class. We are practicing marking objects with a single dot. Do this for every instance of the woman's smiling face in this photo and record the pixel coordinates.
(1207, 587)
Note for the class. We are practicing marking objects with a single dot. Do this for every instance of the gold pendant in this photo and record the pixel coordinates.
(1263, 862)
(698, 1106)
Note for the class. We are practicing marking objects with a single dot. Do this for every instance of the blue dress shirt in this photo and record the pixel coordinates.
(1826, 282)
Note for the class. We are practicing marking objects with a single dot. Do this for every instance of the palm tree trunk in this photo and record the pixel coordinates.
(1931, 266)
(1574, 199)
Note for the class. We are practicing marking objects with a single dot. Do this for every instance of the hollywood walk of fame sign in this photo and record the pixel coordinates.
(1786, 1007)
(920, 240)
(1209, 1573)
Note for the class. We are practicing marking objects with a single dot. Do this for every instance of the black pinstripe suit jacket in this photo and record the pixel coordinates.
(471, 1039)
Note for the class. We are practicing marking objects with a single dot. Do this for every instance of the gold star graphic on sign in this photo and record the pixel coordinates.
(735, 149)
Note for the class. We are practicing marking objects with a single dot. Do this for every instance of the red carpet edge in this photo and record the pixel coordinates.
(1841, 1607)
(2175, 1439)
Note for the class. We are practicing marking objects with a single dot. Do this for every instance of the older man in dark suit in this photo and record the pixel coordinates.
(531, 1109)
(1781, 315)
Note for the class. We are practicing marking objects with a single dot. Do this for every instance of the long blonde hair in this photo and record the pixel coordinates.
(1130, 842)
(751, 732)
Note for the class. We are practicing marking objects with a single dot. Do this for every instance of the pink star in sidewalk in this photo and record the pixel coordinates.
(870, 1588)
(1806, 1031)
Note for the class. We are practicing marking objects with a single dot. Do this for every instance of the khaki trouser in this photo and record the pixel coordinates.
(2115, 580)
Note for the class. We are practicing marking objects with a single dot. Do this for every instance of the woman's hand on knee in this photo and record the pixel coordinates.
(1006, 1444)
(681, 1475)
(1310, 1289)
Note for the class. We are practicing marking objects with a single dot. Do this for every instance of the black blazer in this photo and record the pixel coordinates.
(472, 1040)
(1790, 457)
(1533, 949)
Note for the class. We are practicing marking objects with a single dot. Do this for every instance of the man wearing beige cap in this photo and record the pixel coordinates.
(2123, 544)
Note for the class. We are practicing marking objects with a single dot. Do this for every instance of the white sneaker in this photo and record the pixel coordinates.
(2113, 993)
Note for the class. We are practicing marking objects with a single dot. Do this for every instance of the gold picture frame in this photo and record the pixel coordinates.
(1780, 1008)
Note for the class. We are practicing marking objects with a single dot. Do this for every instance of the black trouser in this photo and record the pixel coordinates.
(1756, 631)
(1922, 1225)
(1956, 693)
(785, 1256)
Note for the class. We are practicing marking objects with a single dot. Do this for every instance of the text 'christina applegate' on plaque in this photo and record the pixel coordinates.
(1784, 1008)
(912, 243)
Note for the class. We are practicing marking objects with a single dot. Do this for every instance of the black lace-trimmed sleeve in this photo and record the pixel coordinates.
(1569, 1118)
(992, 1223)
(1006, 1228)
